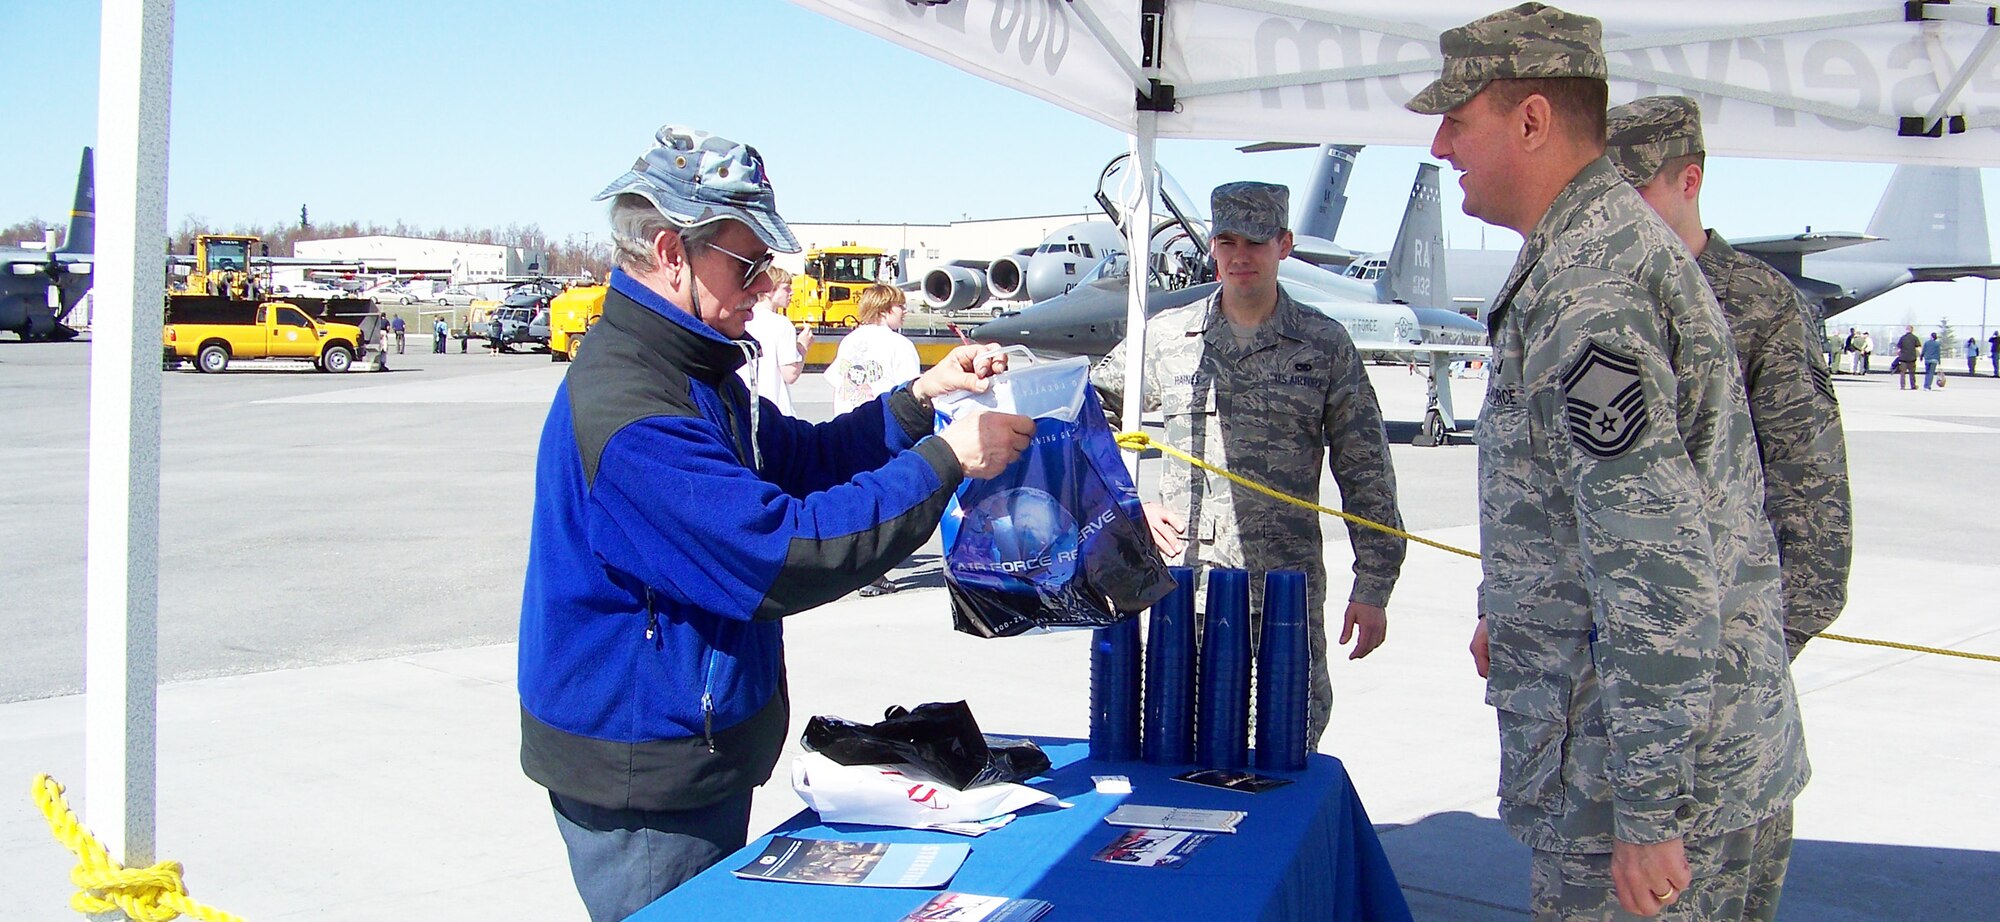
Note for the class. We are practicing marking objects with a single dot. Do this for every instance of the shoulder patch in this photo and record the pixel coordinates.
(1606, 406)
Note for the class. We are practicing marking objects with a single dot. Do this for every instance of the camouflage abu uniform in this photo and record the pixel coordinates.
(1637, 656)
(1785, 377)
(1269, 410)
(1631, 585)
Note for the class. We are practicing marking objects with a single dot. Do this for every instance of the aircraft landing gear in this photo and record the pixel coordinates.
(1433, 432)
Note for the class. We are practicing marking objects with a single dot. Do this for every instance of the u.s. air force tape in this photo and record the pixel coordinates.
(1606, 406)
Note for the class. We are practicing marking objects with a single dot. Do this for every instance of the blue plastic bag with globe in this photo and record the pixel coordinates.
(1057, 540)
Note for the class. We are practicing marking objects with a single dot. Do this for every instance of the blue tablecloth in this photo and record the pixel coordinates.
(1306, 852)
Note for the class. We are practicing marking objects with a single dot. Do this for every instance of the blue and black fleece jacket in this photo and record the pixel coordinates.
(652, 670)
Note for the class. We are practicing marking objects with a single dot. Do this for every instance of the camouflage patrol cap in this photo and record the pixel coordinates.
(1642, 135)
(1530, 41)
(697, 178)
(1256, 211)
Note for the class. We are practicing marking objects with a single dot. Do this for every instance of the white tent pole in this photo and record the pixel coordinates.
(121, 582)
(1138, 243)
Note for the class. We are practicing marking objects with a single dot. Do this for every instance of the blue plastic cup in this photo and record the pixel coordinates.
(1283, 677)
(1114, 691)
(1223, 725)
(1170, 669)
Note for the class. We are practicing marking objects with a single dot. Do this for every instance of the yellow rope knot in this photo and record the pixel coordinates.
(150, 894)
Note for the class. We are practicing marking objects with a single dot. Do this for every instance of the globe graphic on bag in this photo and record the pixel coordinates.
(1028, 534)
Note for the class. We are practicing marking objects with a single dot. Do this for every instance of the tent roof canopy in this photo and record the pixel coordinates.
(1872, 80)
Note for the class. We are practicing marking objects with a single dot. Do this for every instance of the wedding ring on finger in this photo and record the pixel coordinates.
(1667, 896)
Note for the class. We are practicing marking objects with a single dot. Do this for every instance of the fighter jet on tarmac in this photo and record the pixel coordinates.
(1398, 314)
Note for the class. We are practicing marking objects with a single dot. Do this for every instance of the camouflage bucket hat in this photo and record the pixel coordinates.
(1642, 135)
(696, 178)
(1528, 41)
(1256, 211)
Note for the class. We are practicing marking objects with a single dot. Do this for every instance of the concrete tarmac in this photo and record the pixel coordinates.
(341, 560)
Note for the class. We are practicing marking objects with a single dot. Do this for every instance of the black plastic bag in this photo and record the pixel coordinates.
(940, 738)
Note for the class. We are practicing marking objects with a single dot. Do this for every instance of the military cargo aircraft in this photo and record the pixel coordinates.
(40, 287)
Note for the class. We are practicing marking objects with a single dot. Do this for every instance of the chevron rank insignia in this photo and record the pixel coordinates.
(1822, 379)
(1606, 406)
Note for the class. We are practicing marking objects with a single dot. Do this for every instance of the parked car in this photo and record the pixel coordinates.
(457, 296)
(393, 294)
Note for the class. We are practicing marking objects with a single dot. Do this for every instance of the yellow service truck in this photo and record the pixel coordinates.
(279, 331)
(571, 315)
(827, 294)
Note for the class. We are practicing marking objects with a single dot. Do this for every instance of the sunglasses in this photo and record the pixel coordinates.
(751, 267)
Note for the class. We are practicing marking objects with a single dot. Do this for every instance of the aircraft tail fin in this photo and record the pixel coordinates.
(1415, 274)
(82, 237)
(1327, 195)
(1929, 215)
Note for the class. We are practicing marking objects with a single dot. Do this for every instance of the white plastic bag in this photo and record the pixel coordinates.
(900, 795)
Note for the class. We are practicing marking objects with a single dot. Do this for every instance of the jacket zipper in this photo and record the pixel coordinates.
(708, 701)
(653, 623)
(708, 682)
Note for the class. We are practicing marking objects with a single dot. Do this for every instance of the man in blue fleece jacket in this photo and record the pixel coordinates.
(678, 518)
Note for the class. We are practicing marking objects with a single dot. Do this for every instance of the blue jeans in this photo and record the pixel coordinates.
(1930, 372)
(624, 859)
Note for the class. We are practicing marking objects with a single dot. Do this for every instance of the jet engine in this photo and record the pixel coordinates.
(1007, 278)
(954, 288)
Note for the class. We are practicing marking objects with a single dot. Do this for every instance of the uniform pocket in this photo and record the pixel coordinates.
(1183, 401)
(1534, 725)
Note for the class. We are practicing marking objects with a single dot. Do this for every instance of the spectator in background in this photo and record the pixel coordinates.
(1933, 352)
(876, 356)
(1867, 350)
(493, 335)
(397, 325)
(872, 360)
(780, 358)
(439, 332)
(1971, 356)
(1993, 343)
(1850, 349)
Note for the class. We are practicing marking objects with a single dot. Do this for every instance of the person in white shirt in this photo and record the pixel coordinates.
(874, 358)
(781, 349)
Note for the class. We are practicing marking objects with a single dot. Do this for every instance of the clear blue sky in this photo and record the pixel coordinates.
(461, 113)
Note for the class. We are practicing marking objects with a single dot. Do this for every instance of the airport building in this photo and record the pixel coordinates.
(918, 247)
(462, 262)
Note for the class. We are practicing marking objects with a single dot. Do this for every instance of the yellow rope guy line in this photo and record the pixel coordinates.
(1139, 442)
(153, 894)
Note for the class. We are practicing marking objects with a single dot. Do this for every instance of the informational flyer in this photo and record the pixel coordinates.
(1152, 848)
(971, 907)
(855, 864)
(1230, 779)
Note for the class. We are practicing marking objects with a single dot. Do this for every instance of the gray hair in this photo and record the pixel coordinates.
(635, 223)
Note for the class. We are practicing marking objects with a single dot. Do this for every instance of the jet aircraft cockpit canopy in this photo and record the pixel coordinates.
(1178, 216)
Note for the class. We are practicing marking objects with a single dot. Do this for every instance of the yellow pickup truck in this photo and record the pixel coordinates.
(280, 331)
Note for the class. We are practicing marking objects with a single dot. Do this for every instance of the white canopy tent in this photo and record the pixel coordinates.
(1799, 79)
(1829, 79)
(1909, 82)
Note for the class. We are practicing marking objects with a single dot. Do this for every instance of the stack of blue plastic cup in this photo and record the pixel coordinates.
(1114, 691)
(1282, 677)
(1222, 732)
(1170, 664)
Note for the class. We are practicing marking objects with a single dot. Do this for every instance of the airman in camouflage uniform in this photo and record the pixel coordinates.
(1630, 632)
(1268, 402)
(1656, 144)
